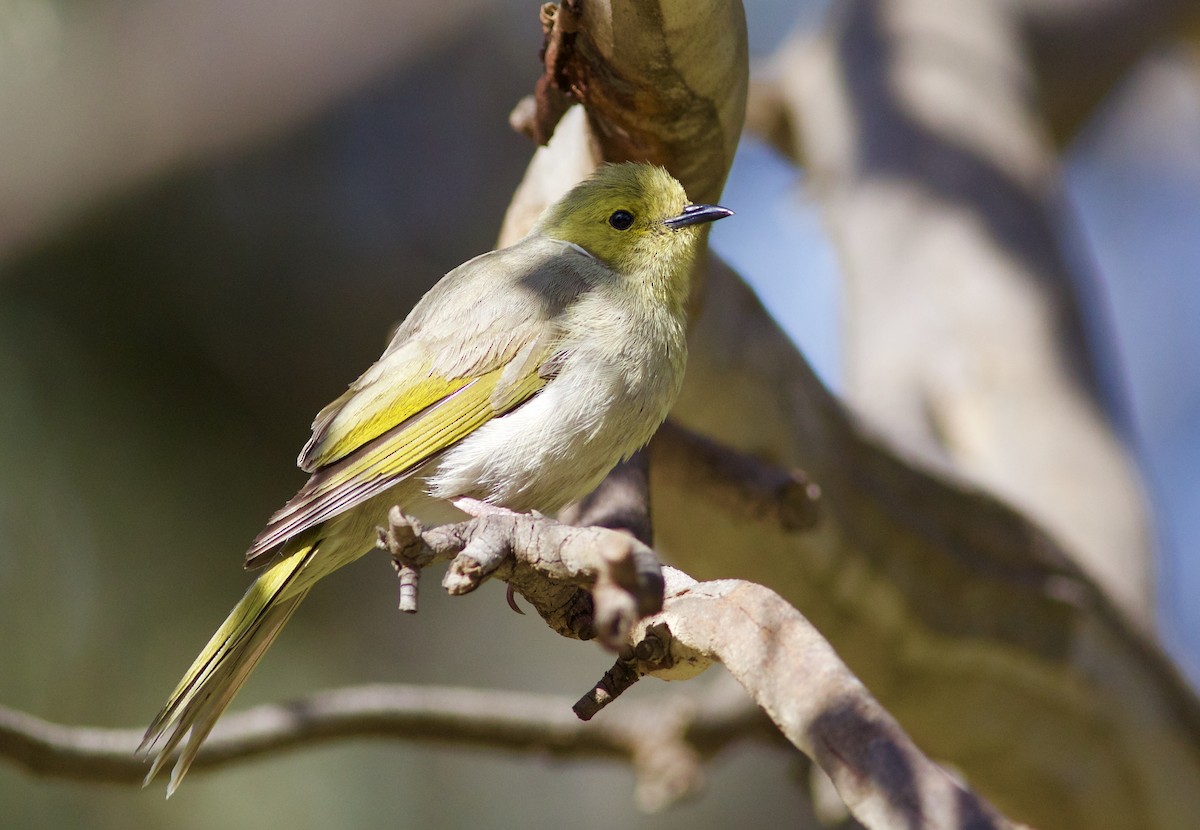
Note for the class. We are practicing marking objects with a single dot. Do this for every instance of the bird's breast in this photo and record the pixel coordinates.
(605, 402)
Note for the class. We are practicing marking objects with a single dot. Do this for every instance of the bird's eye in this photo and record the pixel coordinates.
(622, 220)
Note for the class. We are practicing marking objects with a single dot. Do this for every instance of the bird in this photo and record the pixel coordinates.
(517, 383)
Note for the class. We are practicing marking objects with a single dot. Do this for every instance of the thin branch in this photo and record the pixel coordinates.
(510, 721)
(584, 581)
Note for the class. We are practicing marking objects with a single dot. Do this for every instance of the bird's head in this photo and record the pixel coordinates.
(636, 219)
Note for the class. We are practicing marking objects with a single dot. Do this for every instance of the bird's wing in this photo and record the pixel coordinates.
(370, 408)
(446, 373)
(482, 316)
(393, 455)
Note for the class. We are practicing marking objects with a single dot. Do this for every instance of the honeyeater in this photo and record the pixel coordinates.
(517, 382)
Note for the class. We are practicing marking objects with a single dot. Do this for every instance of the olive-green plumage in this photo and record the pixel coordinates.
(519, 381)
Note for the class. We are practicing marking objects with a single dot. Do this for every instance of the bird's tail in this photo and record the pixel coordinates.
(223, 666)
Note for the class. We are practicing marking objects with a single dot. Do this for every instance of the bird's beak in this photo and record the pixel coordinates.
(696, 214)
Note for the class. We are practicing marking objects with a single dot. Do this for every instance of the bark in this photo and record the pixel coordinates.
(667, 757)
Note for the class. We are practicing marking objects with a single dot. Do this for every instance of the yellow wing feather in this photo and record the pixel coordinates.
(335, 438)
(395, 454)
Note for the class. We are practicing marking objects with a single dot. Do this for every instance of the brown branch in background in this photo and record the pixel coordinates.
(514, 722)
(767, 114)
(748, 486)
(1080, 51)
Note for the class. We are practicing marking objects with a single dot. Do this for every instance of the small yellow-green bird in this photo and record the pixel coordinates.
(517, 382)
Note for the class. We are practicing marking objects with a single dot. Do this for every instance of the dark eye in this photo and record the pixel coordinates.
(622, 220)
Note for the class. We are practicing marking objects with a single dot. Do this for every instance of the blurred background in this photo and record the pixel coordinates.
(212, 213)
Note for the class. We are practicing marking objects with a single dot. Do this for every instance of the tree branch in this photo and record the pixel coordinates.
(744, 484)
(514, 722)
(790, 671)
(965, 345)
(788, 668)
(662, 82)
(795, 676)
(554, 566)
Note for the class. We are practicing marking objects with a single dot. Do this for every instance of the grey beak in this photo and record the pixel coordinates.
(696, 214)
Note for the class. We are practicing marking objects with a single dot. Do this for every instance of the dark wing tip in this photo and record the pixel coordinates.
(259, 553)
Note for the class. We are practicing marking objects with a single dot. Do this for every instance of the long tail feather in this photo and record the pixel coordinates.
(221, 668)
